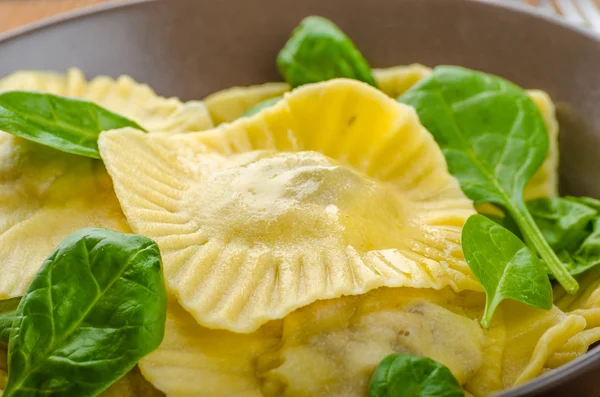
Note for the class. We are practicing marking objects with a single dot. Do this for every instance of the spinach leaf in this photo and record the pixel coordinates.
(587, 255)
(317, 51)
(571, 225)
(8, 308)
(95, 308)
(587, 201)
(563, 222)
(506, 222)
(494, 140)
(261, 105)
(66, 124)
(504, 265)
(405, 375)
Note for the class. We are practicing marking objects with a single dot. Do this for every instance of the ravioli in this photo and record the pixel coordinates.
(123, 96)
(396, 80)
(194, 361)
(46, 194)
(331, 348)
(228, 105)
(332, 345)
(587, 297)
(254, 223)
(524, 342)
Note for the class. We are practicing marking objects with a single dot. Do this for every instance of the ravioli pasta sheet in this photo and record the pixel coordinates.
(329, 348)
(123, 96)
(228, 105)
(254, 220)
(224, 361)
(46, 195)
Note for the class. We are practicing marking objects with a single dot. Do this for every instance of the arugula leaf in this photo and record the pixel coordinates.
(95, 308)
(317, 51)
(261, 105)
(405, 375)
(504, 265)
(494, 140)
(571, 225)
(8, 308)
(67, 124)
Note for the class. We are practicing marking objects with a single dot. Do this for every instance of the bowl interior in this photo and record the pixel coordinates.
(191, 48)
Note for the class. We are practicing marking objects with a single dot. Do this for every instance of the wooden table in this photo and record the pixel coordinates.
(15, 13)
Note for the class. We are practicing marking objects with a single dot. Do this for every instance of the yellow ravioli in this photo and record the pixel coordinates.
(587, 297)
(332, 345)
(229, 104)
(396, 80)
(524, 342)
(252, 226)
(46, 194)
(194, 361)
(331, 348)
(132, 385)
(544, 182)
(123, 96)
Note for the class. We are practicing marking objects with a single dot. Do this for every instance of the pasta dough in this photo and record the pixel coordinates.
(248, 236)
(46, 194)
(228, 105)
(332, 348)
(123, 96)
(524, 342)
(194, 361)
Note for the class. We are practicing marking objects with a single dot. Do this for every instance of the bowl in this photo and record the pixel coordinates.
(190, 48)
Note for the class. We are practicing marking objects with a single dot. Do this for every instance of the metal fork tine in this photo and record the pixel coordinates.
(590, 11)
(569, 11)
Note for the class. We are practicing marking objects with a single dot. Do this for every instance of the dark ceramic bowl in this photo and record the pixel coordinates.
(190, 48)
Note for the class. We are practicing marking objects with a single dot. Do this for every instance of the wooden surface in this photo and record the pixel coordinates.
(15, 13)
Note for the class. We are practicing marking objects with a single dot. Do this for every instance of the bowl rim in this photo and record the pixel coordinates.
(543, 383)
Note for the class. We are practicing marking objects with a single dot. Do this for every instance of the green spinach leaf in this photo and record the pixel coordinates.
(405, 375)
(95, 308)
(571, 225)
(504, 265)
(66, 124)
(587, 255)
(494, 140)
(317, 51)
(8, 309)
(564, 223)
(261, 105)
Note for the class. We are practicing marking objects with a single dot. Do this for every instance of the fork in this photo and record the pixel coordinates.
(580, 12)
